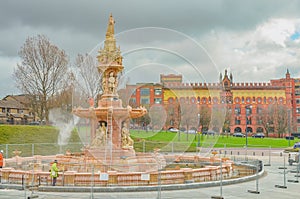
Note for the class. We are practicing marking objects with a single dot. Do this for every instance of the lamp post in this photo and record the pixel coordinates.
(72, 94)
(246, 107)
(198, 142)
(267, 129)
(289, 126)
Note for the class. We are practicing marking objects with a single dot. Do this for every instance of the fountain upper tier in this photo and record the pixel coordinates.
(100, 112)
(110, 66)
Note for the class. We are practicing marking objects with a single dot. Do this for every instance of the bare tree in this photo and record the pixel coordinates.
(218, 117)
(158, 117)
(41, 72)
(274, 118)
(265, 118)
(88, 79)
(226, 125)
(281, 117)
(189, 116)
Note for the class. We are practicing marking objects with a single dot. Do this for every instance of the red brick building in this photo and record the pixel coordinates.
(225, 106)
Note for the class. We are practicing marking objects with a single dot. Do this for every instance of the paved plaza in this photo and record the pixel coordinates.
(274, 175)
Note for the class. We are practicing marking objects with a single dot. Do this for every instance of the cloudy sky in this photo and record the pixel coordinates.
(255, 40)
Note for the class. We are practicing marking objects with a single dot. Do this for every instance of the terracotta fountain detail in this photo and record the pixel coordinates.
(110, 120)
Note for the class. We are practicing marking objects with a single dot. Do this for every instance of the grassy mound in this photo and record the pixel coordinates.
(21, 134)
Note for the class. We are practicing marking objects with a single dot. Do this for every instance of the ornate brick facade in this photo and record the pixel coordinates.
(228, 106)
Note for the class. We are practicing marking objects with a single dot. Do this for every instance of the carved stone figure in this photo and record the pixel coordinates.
(111, 82)
(100, 136)
(127, 142)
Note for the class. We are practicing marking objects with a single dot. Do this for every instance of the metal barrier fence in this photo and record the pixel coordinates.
(26, 150)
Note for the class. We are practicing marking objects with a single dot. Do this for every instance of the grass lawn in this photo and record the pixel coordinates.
(164, 139)
(254, 142)
(45, 139)
(33, 140)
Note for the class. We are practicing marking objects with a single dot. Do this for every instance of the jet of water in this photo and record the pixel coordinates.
(65, 122)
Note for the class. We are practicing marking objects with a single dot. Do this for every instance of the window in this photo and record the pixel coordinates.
(157, 91)
(248, 99)
(259, 100)
(145, 100)
(248, 111)
(297, 110)
(237, 100)
(132, 101)
(145, 91)
(297, 101)
(298, 120)
(249, 121)
(157, 100)
(237, 110)
(237, 121)
(193, 100)
(281, 100)
(270, 99)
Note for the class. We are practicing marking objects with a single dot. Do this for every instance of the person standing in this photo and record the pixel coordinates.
(1, 159)
(54, 172)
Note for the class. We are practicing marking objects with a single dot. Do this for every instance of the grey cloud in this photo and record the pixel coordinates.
(79, 26)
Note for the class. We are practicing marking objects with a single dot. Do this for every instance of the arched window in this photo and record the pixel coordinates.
(237, 100)
(171, 100)
(193, 100)
(198, 100)
(259, 100)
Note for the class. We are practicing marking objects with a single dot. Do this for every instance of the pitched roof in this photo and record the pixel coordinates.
(14, 101)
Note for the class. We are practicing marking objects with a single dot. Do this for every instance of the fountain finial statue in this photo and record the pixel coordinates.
(110, 28)
(110, 62)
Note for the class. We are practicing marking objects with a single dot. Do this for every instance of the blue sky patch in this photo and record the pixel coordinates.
(295, 36)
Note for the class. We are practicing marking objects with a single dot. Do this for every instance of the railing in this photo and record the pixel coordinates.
(27, 150)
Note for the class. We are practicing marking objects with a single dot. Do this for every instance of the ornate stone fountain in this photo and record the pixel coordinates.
(111, 143)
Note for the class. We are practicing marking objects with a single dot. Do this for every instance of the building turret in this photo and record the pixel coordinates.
(287, 75)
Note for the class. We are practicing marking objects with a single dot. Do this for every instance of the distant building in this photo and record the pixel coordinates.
(244, 103)
(15, 110)
(143, 94)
